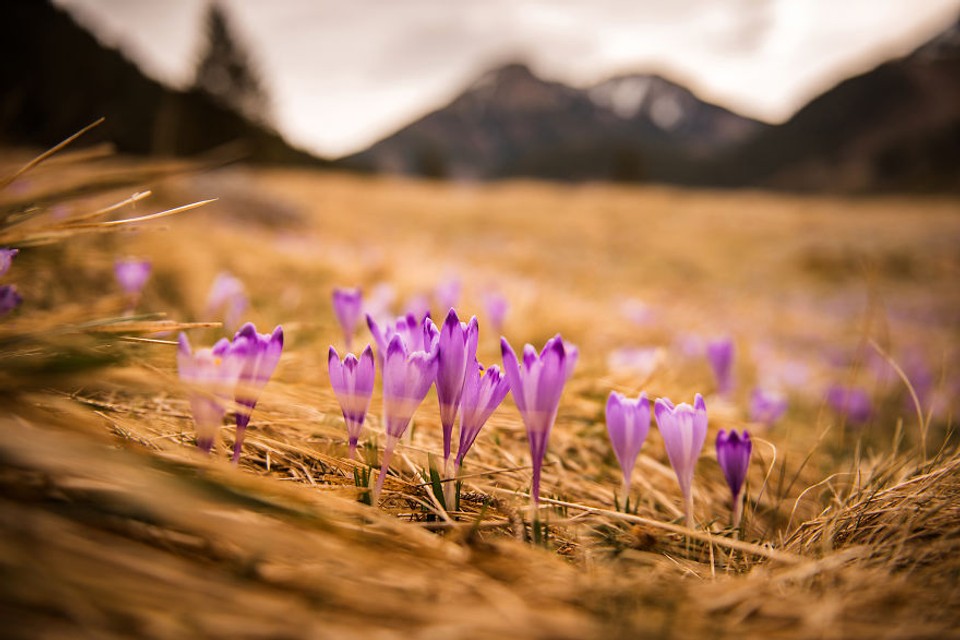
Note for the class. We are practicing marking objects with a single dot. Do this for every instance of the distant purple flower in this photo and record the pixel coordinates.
(537, 384)
(229, 297)
(852, 402)
(638, 312)
(352, 382)
(132, 275)
(447, 294)
(733, 455)
(766, 407)
(684, 428)
(720, 354)
(418, 306)
(378, 303)
(348, 306)
(6, 258)
(457, 351)
(9, 298)
(497, 307)
(407, 377)
(414, 333)
(641, 361)
(628, 422)
(212, 376)
(259, 353)
(483, 392)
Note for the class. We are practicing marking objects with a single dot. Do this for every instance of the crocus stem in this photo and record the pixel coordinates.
(626, 495)
(238, 446)
(353, 448)
(450, 486)
(737, 510)
(688, 508)
(387, 454)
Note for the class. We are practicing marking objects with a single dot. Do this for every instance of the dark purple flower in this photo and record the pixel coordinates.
(497, 307)
(483, 392)
(259, 354)
(766, 407)
(352, 382)
(211, 375)
(407, 377)
(536, 385)
(229, 297)
(733, 455)
(852, 402)
(683, 428)
(457, 350)
(348, 307)
(720, 354)
(628, 422)
(6, 258)
(132, 275)
(9, 298)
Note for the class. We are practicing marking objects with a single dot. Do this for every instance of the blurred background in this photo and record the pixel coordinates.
(856, 96)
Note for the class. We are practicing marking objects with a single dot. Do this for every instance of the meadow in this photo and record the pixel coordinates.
(116, 525)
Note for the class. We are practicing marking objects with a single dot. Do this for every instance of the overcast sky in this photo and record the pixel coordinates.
(343, 74)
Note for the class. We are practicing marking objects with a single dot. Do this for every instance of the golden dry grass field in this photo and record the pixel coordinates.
(114, 525)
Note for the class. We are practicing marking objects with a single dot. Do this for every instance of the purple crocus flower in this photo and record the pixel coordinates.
(348, 306)
(9, 298)
(352, 382)
(457, 351)
(766, 406)
(447, 294)
(483, 391)
(227, 296)
(628, 422)
(496, 306)
(684, 428)
(259, 354)
(212, 376)
(536, 385)
(6, 258)
(407, 376)
(720, 354)
(853, 402)
(414, 333)
(132, 275)
(733, 455)
(418, 306)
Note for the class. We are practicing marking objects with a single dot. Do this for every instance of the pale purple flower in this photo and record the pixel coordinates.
(212, 376)
(537, 384)
(684, 429)
(418, 306)
(132, 275)
(852, 402)
(641, 361)
(407, 377)
(497, 307)
(352, 382)
(767, 406)
(348, 307)
(483, 392)
(9, 298)
(720, 354)
(414, 333)
(6, 258)
(378, 303)
(638, 312)
(259, 353)
(457, 350)
(227, 296)
(733, 455)
(628, 422)
(447, 294)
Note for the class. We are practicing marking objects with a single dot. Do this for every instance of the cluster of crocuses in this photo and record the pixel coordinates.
(231, 373)
(683, 429)
(414, 354)
(10, 299)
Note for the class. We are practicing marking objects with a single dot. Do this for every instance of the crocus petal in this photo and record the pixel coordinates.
(6, 258)
(733, 455)
(10, 298)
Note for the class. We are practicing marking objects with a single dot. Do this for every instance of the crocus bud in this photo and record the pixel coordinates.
(6, 258)
(628, 422)
(720, 354)
(211, 376)
(348, 305)
(766, 407)
(683, 428)
(733, 455)
(352, 382)
(259, 354)
(457, 350)
(483, 392)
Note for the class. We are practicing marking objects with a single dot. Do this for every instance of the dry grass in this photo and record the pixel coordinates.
(114, 526)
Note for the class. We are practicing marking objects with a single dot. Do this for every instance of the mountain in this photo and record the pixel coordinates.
(896, 127)
(512, 123)
(57, 78)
